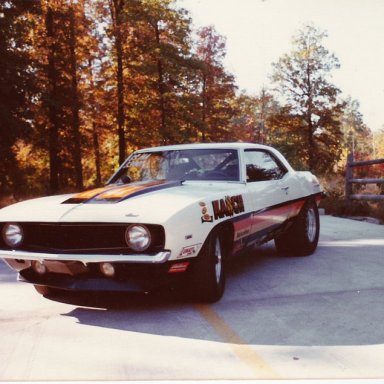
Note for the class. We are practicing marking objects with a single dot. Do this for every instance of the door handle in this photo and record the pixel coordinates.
(285, 189)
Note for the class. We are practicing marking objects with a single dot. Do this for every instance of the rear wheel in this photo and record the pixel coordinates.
(302, 237)
(208, 273)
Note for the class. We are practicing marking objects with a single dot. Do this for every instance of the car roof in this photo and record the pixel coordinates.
(235, 145)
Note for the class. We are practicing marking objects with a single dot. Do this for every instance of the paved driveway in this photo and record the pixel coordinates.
(316, 317)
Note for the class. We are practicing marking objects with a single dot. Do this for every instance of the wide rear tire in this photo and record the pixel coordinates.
(302, 237)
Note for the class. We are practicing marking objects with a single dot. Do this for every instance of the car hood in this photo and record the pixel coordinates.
(137, 202)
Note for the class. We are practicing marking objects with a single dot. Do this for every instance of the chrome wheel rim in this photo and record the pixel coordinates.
(218, 258)
(311, 225)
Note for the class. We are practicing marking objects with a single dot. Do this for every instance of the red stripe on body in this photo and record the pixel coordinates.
(276, 215)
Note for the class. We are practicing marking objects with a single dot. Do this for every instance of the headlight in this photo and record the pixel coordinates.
(138, 237)
(13, 235)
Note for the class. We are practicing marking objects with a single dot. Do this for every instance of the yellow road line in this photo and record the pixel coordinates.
(239, 346)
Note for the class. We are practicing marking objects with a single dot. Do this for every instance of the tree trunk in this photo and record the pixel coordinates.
(52, 111)
(75, 103)
(311, 142)
(95, 131)
(116, 8)
(204, 107)
(160, 80)
(96, 151)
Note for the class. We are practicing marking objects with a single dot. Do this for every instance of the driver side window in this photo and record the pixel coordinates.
(262, 165)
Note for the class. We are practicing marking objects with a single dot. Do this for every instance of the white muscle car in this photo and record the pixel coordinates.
(167, 213)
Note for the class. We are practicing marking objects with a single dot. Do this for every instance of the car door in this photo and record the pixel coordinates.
(268, 188)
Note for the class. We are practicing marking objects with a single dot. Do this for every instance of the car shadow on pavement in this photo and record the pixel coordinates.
(163, 297)
(270, 300)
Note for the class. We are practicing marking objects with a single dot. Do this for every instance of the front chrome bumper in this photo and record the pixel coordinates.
(158, 258)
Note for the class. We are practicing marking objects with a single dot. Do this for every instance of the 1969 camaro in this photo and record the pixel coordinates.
(168, 212)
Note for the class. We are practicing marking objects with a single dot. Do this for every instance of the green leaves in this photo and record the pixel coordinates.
(302, 78)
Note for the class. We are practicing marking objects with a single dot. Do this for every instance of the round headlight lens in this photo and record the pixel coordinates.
(13, 235)
(138, 237)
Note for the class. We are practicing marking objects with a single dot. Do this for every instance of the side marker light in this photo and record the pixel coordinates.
(179, 267)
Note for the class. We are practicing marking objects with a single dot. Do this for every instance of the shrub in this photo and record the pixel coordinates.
(336, 204)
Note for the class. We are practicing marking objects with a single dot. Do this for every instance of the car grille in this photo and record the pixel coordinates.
(83, 238)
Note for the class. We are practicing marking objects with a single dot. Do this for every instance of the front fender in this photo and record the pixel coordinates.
(186, 231)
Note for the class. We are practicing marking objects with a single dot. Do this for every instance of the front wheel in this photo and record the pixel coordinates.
(302, 237)
(208, 273)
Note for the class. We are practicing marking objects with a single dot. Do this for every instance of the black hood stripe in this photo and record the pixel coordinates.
(141, 190)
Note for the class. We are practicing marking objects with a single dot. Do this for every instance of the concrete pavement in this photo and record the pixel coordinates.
(317, 317)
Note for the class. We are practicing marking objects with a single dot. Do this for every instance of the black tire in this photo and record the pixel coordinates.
(302, 237)
(208, 273)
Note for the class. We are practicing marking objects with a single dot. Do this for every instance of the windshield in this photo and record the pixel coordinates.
(189, 164)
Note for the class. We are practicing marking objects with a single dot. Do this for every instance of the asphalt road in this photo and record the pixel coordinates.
(317, 317)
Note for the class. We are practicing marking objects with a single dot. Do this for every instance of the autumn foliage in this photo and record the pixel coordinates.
(85, 82)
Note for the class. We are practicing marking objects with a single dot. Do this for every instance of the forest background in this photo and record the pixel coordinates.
(85, 82)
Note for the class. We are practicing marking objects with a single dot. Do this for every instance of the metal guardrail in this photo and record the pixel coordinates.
(350, 180)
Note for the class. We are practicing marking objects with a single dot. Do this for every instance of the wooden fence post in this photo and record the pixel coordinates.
(348, 177)
(350, 180)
